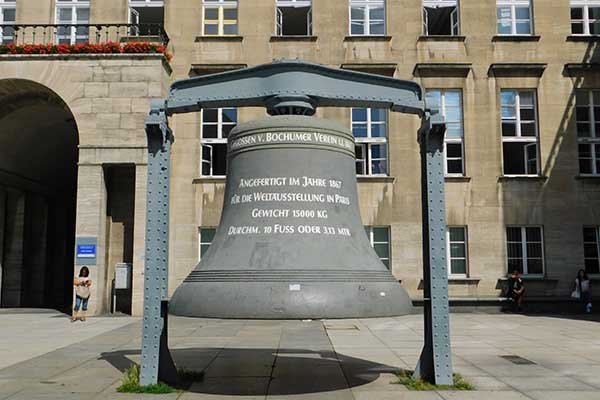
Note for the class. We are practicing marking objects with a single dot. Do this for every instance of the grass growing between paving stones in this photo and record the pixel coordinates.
(131, 382)
(405, 377)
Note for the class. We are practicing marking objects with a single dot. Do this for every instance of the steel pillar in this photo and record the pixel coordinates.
(435, 363)
(157, 364)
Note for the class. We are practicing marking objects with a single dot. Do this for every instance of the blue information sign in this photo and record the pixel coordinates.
(86, 250)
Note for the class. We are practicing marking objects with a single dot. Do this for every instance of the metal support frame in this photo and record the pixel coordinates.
(157, 364)
(435, 363)
(294, 87)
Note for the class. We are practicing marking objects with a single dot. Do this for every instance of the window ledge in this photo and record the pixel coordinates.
(576, 69)
(512, 178)
(441, 38)
(367, 38)
(209, 179)
(205, 69)
(516, 38)
(442, 69)
(517, 69)
(536, 278)
(455, 280)
(589, 178)
(233, 38)
(583, 38)
(387, 69)
(464, 279)
(293, 38)
(451, 178)
(375, 178)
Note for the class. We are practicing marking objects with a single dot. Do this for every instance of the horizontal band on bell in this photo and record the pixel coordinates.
(286, 275)
(231, 154)
(268, 140)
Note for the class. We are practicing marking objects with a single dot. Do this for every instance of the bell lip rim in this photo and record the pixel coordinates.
(396, 302)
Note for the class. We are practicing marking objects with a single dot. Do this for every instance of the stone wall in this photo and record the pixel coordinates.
(558, 200)
(109, 97)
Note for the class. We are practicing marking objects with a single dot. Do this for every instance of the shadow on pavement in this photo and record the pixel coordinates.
(249, 371)
(576, 317)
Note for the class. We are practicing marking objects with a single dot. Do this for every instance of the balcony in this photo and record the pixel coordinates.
(44, 34)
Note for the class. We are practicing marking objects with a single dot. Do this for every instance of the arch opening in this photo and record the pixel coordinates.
(38, 186)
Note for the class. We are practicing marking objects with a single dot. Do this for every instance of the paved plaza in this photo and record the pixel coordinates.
(44, 356)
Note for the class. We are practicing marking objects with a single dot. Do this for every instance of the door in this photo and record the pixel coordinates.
(454, 21)
(279, 22)
(531, 167)
(64, 18)
(134, 20)
(207, 156)
(82, 19)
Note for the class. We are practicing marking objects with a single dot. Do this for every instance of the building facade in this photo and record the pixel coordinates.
(516, 80)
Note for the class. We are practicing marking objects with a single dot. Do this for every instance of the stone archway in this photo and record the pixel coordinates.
(38, 185)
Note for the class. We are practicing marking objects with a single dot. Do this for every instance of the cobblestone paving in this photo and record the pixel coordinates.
(334, 359)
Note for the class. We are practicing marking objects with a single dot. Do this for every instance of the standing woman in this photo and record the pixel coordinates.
(82, 293)
(582, 289)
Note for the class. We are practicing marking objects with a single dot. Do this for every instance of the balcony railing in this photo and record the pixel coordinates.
(82, 33)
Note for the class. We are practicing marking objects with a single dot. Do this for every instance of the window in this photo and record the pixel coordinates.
(8, 12)
(147, 16)
(585, 17)
(519, 132)
(514, 17)
(440, 17)
(216, 125)
(220, 18)
(449, 104)
(525, 249)
(591, 249)
(71, 14)
(456, 250)
(369, 127)
(379, 236)
(294, 18)
(205, 238)
(588, 131)
(367, 17)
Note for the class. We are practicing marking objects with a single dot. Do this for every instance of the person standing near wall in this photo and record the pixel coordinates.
(582, 290)
(515, 289)
(82, 285)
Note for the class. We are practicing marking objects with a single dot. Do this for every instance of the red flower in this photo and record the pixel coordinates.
(83, 48)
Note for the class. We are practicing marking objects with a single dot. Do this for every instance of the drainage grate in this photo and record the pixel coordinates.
(518, 360)
(341, 327)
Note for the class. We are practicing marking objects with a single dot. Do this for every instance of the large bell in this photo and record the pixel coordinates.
(290, 243)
